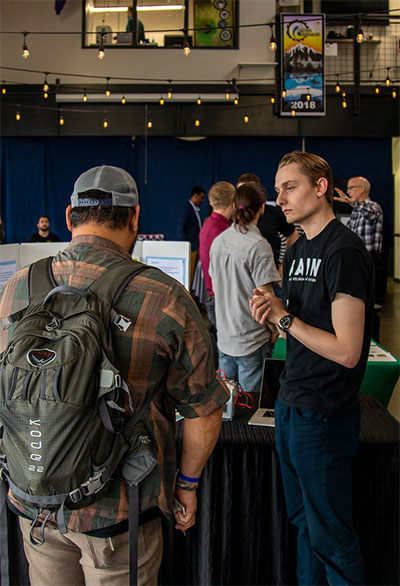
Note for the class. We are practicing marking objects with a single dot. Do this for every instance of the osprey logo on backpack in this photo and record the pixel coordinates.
(40, 356)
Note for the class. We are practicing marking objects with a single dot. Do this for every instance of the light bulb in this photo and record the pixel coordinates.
(108, 93)
(17, 115)
(3, 90)
(101, 53)
(162, 102)
(45, 95)
(149, 124)
(45, 87)
(84, 98)
(337, 88)
(61, 121)
(293, 113)
(394, 94)
(272, 44)
(387, 82)
(344, 104)
(169, 94)
(25, 52)
(199, 101)
(236, 101)
(272, 100)
(227, 95)
(343, 94)
(186, 51)
(123, 100)
(105, 123)
(197, 122)
(246, 119)
(308, 97)
(283, 93)
(360, 37)
(377, 90)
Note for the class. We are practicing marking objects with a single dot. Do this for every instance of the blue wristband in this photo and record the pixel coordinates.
(187, 478)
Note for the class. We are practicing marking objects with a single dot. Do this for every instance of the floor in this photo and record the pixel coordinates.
(390, 335)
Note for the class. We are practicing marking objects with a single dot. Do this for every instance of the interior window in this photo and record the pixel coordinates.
(160, 23)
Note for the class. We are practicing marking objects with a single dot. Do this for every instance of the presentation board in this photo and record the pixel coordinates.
(171, 257)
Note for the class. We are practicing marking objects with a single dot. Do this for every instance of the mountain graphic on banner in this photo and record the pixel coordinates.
(303, 59)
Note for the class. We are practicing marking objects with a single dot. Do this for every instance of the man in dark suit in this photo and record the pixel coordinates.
(189, 224)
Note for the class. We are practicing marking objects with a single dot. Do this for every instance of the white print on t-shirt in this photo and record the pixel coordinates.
(304, 269)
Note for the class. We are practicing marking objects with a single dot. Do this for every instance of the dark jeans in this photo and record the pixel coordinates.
(315, 453)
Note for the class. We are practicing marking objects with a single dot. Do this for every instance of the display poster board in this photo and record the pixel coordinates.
(171, 257)
(302, 65)
(214, 23)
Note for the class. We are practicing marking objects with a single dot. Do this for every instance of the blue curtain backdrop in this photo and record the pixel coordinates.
(37, 174)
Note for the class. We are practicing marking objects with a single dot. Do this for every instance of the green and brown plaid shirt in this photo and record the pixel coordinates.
(168, 349)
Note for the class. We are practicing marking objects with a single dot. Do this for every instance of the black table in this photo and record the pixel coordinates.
(242, 534)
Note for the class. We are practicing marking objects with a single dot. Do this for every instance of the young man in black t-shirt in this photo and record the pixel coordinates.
(326, 316)
(43, 234)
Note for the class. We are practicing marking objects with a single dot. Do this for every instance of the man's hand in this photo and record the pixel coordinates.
(266, 308)
(188, 499)
(343, 197)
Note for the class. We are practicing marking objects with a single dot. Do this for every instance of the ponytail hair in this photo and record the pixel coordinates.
(249, 198)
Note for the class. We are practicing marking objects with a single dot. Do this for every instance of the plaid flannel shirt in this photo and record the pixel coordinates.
(366, 221)
(168, 350)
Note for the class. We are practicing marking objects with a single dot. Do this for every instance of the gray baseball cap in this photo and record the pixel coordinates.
(113, 180)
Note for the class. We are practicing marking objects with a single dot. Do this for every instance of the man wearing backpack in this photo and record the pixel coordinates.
(165, 354)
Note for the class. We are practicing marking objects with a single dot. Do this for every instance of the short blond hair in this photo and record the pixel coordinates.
(221, 194)
(313, 166)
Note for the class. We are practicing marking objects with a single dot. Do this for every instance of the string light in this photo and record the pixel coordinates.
(377, 90)
(272, 100)
(3, 90)
(25, 50)
(394, 93)
(123, 100)
(17, 114)
(186, 47)
(149, 124)
(293, 113)
(101, 53)
(169, 94)
(108, 93)
(360, 32)
(199, 101)
(105, 123)
(45, 85)
(236, 101)
(228, 92)
(61, 120)
(246, 119)
(343, 94)
(387, 77)
(162, 101)
(344, 102)
(283, 93)
(84, 97)
(197, 122)
(308, 96)
(272, 41)
(337, 87)
(45, 95)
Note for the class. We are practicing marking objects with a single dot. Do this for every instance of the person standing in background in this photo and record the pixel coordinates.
(188, 225)
(43, 234)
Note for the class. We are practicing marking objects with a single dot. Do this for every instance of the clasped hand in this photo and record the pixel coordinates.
(265, 308)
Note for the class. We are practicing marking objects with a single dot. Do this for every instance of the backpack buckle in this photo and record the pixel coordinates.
(75, 495)
(93, 485)
(122, 322)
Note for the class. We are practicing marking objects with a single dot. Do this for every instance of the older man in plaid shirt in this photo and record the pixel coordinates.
(168, 352)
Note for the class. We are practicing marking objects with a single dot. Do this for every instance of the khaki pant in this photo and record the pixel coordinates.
(194, 257)
(75, 559)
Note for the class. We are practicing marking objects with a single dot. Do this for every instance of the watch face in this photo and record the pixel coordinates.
(285, 322)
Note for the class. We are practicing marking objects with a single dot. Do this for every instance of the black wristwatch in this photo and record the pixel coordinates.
(285, 322)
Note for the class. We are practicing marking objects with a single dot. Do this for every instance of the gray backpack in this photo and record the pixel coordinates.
(63, 433)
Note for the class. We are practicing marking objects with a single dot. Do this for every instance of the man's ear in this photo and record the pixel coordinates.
(67, 218)
(134, 222)
(322, 186)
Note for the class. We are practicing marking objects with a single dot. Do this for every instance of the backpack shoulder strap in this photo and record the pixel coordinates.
(41, 279)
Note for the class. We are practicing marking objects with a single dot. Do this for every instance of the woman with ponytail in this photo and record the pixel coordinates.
(240, 261)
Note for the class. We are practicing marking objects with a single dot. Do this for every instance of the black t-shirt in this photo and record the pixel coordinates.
(334, 261)
(270, 223)
(50, 238)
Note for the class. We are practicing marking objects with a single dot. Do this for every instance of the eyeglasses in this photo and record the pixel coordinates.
(353, 187)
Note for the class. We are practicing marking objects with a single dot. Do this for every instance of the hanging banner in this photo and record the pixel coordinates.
(302, 65)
